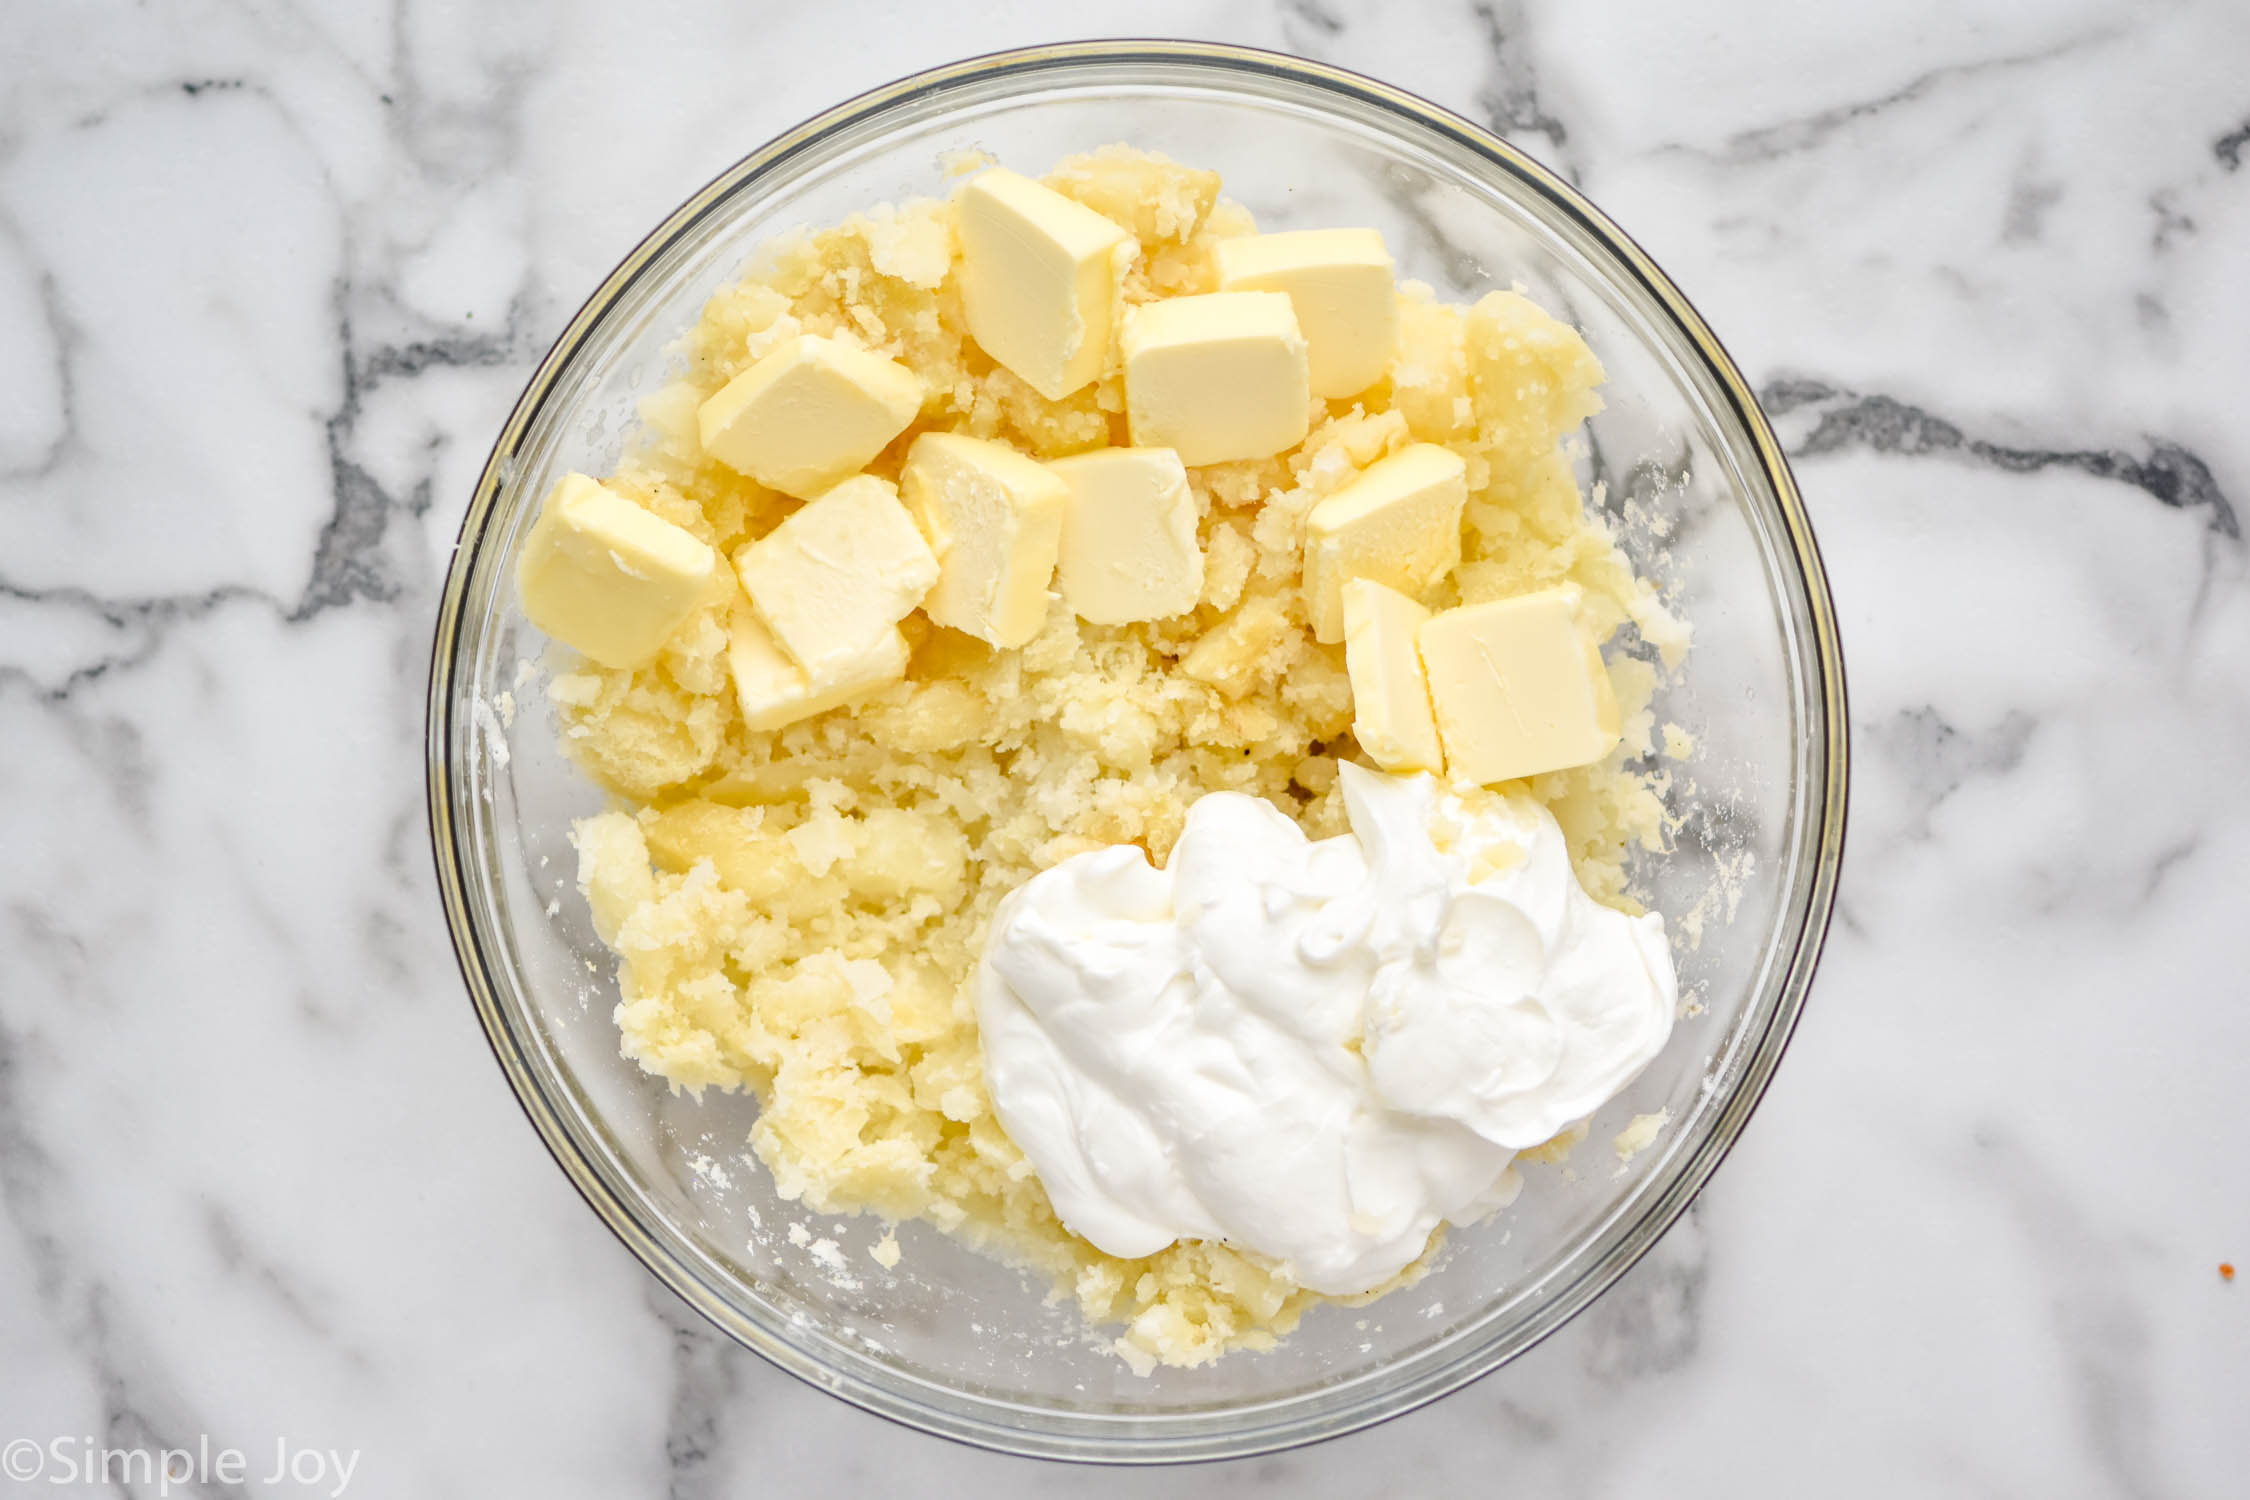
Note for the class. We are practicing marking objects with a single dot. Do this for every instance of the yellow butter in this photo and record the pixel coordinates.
(1039, 277)
(810, 414)
(1217, 377)
(775, 691)
(1391, 715)
(607, 578)
(1398, 523)
(994, 519)
(1517, 687)
(1344, 288)
(833, 578)
(1129, 550)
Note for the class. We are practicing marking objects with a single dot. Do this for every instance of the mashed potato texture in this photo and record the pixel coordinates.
(798, 912)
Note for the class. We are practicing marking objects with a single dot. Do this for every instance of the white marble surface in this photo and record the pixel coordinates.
(270, 274)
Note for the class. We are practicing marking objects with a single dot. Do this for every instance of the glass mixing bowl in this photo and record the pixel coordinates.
(1681, 460)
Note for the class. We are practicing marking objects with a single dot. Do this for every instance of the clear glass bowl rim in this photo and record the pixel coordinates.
(1263, 1427)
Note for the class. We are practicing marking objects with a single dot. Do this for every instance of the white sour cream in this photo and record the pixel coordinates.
(1318, 1051)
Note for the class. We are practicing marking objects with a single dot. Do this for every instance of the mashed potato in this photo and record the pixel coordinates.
(798, 912)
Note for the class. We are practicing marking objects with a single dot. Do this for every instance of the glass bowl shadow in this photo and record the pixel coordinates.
(1680, 460)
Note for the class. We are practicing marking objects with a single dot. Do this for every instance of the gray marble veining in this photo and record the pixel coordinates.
(270, 276)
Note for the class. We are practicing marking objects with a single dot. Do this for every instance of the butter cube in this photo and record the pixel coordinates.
(1128, 536)
(830, 581)
(1344, 289)
(1517, 687)
(1039, 277)
(810, 414)
(607, 578)
(1398, 523)
(1391, 715)
(1217, 377)
(775, 691)
(994, 518)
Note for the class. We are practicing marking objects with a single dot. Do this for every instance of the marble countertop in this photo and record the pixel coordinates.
(272, 273)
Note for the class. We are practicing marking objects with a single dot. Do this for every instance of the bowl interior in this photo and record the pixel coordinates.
(950, 1339)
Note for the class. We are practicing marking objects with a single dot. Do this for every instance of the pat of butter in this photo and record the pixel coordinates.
(607, 578)
(994, 519)
(1391, 715)
(1217, 377)
(775, 691)
(810, 414)
(1039, 276)
(1344, 289)
(1398, 523)
(830, 581)
(1518, 687)
(1128, 536)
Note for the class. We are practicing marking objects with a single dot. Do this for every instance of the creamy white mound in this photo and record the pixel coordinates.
(1317, 1050)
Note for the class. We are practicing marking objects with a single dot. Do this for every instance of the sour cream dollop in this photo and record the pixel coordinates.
(1315, 1050)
